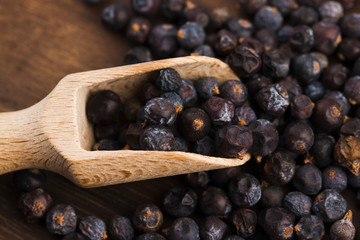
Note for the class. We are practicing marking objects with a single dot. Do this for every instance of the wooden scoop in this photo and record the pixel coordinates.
(55, 134)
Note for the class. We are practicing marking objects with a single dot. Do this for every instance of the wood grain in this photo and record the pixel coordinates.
(40, 43)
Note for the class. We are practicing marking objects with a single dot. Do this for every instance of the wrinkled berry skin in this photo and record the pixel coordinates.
(244, 221)
(195, 124)
(306, 69)
(158, 138)
(175, 99)
(302, 38)
(29, 179)
(329, 205)
(298, 203)
(244, 61)
(162, 40)
(327, 37)
(35, 204)
(191, 35)
(327, 115)
(180, 202)
(331, 11)
(340, 98)
(61, 219)
(234, 91)
(160, 111)
(120, 228)
(244, 115)
(184, 229)
(301, 107)
(298, 137)
(273, 99)
(215, 202)
(272, 196)
(197, 179)
(279, 168)
(335, 76)
(147, 218)
(275, 63)
(169, 80)
(147, 8)
(204, 146)
(233, 141)
(322, 150)
(93, 228)
(351, 128)
(220, 110)
(244, 190)
(342, 230)
(268, 17)
(278, 223)
(308, 179)
(334, 177)
(292, 86)
(187, 92)
(225, 42)
(212, 227)
(207, 87)
(116, 16)
(352, 90)
(104, 107)
(150, 236)
(310, 227)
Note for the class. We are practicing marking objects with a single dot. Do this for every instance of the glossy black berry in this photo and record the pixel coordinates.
(334, 177)
(162, 40)
(298, 137)
(322, 150)
(146, 7)
(310, 227)
(29, 179)
(298, 203)
(244, 190)
(279, 168)
(244, 61)
(61, 219)
(327, 115)
(308, 179)
(120, 228)
(104, 107)
(93, 228)
(138, 30)
(197, 179)
(241, 28)
(191, 35)
(302, 38)
(273, 99)
(304, 16)
(214, 202)
(147, 218)
(212, 227)
(220, 110)
(180, 202)
(265, 137)
(184, 229)
(329, 205)
(195, 124)
(158, 138)
(116, 16)
(327, 36)
(278, 223)
(160, 111)
(315, 90)
(35, 204)
(352, 90)
(331, 11)
(225, 42)
(268, 17)
(272, 196)
(306, 69)
(243, 221)
(233, 141)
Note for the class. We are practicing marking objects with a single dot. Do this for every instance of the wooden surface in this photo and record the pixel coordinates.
(41, 42)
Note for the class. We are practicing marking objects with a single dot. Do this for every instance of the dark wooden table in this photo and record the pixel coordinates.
(41, 42)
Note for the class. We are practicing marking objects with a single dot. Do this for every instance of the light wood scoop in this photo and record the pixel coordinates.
(55, 134)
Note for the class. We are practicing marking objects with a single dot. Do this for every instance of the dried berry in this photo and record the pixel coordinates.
(220, 110)
(160, 111)
(278, 223)
(315, 91)
(298, 203)
(138, 30)
(136, 55)
(276, 63)
(204, 146)
(147, 218)
(207, 87)
(29, 179)
(187, 92)
(93, 228)
(162, 40)
(244, 190)
(350, 25)
(195, 13)
(172, 9)
(197, 179)
(104, 107)
(351, 128)
(150, 236)
(184, 229)
(180, 202)
(298, 137)
(352, 90)
(116, 16)
(302, 38)
(220, 177)
(244, 222)
(191, 35)
(120, 228)
(219, 17)
(304, 16)
(158, 138)
(322, 150)
(327, 115)
(310, 227)
(327, 36)
(35, 204)
(252, 6)
(273, 99)
(335, 76)
(340, 98)
(306, 69)
(308, 179)
(108, 131)
(292, 86)
(214, 202)
(234, 91)
(334, 178)
(272, 196)
(347, 153)
(213, 228)
(195, 124)
(233, 141)
(133, 134)
(241, 28)
(279, 168)
(349, 50)
(61, 219)
(225, 42)
(343, 229)
(301, 107)
(147, 8)
(203, 50)
(267, 37)
(244, 115)
(331, 11)
(329, 205)
(244, 61)
(268, 17)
